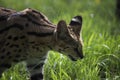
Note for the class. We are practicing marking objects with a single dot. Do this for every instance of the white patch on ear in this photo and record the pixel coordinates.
(76, 20)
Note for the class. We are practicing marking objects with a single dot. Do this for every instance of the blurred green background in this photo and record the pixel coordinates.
(100, 32)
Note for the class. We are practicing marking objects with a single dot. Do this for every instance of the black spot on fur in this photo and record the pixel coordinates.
(5, 65)
(8, 53)
(2, 57)
(3, 50)
(15, 50)
(32, 42)
(26, 24)
(19, 50)
(23, 43)
(9, 37)
(37, 48)
(16, 60)
(15, 38)
(14, 45)
(9, 57)
(7, 43)
(33, 47)
(22, 37)
(17, 56)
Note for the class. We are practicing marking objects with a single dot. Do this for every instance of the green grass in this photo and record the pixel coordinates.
(100, 34)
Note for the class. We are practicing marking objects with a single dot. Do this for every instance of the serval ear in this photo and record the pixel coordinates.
(76, 25)
(62, 30)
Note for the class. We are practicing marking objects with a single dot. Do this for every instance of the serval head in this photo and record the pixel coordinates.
(69, 41)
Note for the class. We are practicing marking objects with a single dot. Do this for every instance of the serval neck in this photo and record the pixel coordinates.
(42, 42)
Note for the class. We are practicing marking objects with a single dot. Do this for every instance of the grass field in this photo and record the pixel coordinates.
(101, 36)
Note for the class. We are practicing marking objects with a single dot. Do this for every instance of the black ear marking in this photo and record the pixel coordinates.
(76, 25)
(77, 20)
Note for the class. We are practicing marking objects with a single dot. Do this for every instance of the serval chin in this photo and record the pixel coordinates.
(28, 36)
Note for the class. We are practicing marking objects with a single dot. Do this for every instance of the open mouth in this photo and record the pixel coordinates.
(73, 59)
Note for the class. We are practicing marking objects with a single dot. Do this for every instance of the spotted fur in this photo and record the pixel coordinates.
(28, 35)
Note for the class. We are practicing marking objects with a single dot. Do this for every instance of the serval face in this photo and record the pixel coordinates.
(69, 38)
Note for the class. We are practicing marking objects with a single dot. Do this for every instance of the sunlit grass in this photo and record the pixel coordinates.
(100, 35)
